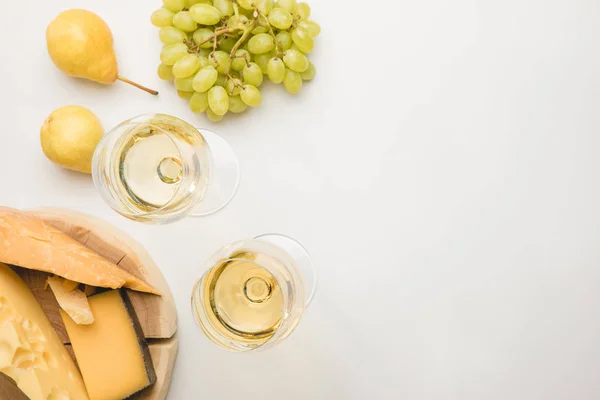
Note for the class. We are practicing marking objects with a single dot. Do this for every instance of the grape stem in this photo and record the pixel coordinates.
(212, 53)
(137, 85)
(235, 84)
(243, 38)
(218, 32)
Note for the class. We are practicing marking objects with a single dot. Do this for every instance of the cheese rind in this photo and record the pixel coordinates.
(40, 364)
(111, 353)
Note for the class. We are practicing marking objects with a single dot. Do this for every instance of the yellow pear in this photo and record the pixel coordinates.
(69, 137)
(80, 44)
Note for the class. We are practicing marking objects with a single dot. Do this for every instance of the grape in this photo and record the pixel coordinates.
(262, 60)
(184, 84)
(237, 105)
(173, 52)
(310, 72)
(162, 17)
(212, 116)
(221, 80)
(295, 60)
(165, 72)
(183, 20)
(302, 39)
(246, 4)
(276, 70)
(253, 74)
(174, 5)
(199, 102)
(227, 44)
(289, 5)
(233, 86)
(303, 10)
(259, 29)
(261, 43)
(205, 14)
(221, 61)
(202, 35)
(237, 21)
(225, 7)
(311, 27)
(170, 35)
(264, 6)
(205, 79)
(203, 61)
(218, 100)
(186, 66)
(280, 18)
(184, 95)
(292, 81)
(251, 95)
(192, 2)
(284, 39)
(242, 58)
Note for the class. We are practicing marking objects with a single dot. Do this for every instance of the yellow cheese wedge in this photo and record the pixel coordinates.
(28, 242)
(39, 363)
(74, 302)
(111, 353)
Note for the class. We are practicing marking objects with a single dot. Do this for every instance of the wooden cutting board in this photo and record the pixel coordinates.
(157, 314)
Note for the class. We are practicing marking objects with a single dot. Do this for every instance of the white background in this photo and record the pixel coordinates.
(442, 169)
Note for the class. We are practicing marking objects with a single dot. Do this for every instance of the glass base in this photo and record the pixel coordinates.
(224, 176)
(300, 255)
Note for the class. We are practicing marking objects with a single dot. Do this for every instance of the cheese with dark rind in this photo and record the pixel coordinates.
(111, 352)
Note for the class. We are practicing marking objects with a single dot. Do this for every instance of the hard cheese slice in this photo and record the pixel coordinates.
(28, 242)
(74, 302)
(31, 352)
(111, 352)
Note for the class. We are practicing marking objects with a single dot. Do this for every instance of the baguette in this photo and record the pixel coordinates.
(27, 241)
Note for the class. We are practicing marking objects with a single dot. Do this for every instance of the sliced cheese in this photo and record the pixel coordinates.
(28, 242)
(39, 363)
(111, 353)
(74, 302)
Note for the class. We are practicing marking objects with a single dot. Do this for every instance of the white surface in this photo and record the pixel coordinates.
(442, 169)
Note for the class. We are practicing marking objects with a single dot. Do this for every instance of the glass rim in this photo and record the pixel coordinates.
(98, 169)
(286, 308)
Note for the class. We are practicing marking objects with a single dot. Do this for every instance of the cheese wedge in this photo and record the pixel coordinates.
(31, 353)
(29, 242)
(111, 353)
(74, 302)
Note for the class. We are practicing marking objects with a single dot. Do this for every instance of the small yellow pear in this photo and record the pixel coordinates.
(69, 137)
(80, 44)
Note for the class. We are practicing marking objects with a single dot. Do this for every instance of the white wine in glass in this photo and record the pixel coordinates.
(254, 292)
(158, 168)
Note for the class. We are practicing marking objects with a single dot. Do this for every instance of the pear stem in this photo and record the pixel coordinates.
(137, 85)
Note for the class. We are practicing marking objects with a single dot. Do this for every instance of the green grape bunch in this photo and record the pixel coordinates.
(218, 52)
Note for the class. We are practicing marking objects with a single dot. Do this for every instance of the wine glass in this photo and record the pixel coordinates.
(254, 292)
(157, 168)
